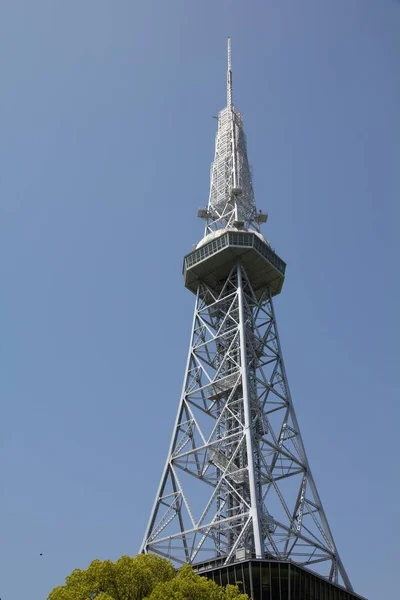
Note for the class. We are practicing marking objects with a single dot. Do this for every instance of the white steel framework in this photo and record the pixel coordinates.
(237, 482)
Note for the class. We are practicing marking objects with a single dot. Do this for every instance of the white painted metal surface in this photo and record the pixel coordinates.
(237, 481)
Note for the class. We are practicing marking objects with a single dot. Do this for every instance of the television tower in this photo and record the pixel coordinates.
(237, 485)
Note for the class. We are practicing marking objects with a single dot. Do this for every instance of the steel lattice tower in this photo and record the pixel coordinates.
(237, 482)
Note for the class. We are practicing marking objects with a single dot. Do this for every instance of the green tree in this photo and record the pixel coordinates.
(126, 579)
(144, 577)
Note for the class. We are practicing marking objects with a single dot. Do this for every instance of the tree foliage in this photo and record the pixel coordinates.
(144, 577)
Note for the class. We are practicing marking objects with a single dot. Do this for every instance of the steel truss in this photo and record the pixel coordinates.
(231, 174)
(237, 436)
(237, 482)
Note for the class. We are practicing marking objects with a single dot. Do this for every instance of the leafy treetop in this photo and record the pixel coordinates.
(144, 577)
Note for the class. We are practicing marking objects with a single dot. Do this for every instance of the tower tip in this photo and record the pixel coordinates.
(229, 75)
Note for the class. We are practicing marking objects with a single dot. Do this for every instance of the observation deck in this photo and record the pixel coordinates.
(216, 254)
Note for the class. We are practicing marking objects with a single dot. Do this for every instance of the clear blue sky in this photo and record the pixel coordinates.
(105, 148)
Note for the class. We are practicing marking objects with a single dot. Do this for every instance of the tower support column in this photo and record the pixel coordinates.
(254, 511)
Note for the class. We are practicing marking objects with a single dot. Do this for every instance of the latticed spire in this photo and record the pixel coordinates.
(231, 194)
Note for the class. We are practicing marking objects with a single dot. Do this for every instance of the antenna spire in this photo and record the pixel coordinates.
(229, 75)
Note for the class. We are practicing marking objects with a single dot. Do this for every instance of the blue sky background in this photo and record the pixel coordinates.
(106, 144)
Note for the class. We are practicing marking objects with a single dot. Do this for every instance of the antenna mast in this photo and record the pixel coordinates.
(229, 75)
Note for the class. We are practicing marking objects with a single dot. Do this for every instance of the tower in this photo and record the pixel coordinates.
(237, 498)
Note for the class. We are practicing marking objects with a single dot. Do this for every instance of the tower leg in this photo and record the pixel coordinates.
(254, 497)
